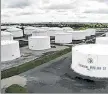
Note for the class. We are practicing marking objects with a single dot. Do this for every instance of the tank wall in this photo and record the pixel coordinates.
(7, 37)
(63, 38)
(78, 58)
(17, 34)
(91, 31)
(28, 32)
(10, 52)
(39, 34)
(100, 41)
(81, 64)
(39, 43)
(51, 33)
(106, 34)
(78, 35)
(103, 63)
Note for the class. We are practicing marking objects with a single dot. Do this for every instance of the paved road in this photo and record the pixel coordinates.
(52, 78)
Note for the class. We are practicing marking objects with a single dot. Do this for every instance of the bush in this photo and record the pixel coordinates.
(16, 89)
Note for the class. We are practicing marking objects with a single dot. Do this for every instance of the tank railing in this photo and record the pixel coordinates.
(90, 39)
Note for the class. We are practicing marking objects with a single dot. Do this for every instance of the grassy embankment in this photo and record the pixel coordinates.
(16, 89)
(32, 64)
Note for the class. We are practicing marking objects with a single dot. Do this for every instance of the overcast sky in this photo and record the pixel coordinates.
(54, 10)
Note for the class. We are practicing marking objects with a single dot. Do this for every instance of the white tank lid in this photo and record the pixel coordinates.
(63, 33)
(39, 37)
(89, 29)
(6, 42)
(13, 29)
(30, 28)
(3, 33)
(97, 49)
(39, 30)
(67, 28)
(45, 27)
(3, 27)
(102, 38)
(79, 31)
(55, 28)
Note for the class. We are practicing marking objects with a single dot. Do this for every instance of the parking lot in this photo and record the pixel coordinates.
(53, 77)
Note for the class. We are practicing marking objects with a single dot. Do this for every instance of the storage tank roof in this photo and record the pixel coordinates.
(102, 38)
(62, 33)
(3, 33)
(90, 29)
(40, 30)
(13, 29)
(67, 28)
(55, 28)
(97, 49)
(39, 37)
(30, 28)
(45, 27)
(3, 27)
(82, 31)
(6, 42)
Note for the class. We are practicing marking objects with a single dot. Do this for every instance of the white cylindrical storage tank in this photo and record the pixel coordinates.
(90, 60)
(6, 35)
(39, 32)
(53, 30)
(107, 34)
(90, 32)
(39, 42)
(29, 30)
(78, 35)
(16, 32)
(67, 29)
(9, 50)
(63, 38)
(46, 28)
(3, 27)
(102, 40)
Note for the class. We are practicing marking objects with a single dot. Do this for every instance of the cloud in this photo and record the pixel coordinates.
(100, 11)
(15, 3)
(61, 6)
(4, 15)
(28, 12)
(54, 10)
(105, 1)
(25, 13)
(55, 4)
(18, 4)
